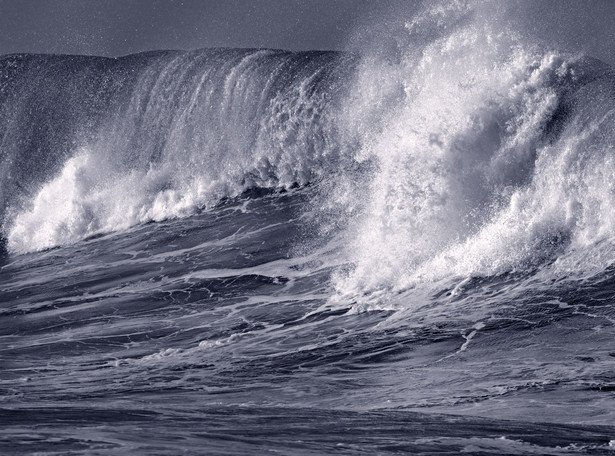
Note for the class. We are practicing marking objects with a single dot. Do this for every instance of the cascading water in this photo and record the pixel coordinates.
(159, 135)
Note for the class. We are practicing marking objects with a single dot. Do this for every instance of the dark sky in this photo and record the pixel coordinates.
(117, 27)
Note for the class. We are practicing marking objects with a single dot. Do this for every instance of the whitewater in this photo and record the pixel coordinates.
(403, 248)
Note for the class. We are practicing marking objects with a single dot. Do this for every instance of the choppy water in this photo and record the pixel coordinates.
(242, 251)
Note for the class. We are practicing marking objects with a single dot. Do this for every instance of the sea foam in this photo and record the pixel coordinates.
(494, 155)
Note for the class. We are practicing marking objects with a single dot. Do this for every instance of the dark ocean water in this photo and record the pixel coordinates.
(249, 251)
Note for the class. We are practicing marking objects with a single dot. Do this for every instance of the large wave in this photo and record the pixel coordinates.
(456, 147)
(92, 145)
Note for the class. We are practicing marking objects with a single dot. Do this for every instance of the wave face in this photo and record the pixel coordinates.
(94, 145)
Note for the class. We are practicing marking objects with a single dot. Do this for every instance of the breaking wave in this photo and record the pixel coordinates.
(460, 148)
(492, 154)
(94, 145)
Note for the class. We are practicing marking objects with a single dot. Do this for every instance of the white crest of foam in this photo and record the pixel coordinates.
(89, 197)
(468, 180)
(56, 212)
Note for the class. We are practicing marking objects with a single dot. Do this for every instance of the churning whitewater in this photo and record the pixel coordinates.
(407, 248)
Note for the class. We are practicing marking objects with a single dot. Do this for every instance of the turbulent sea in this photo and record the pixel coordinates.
(408, 250)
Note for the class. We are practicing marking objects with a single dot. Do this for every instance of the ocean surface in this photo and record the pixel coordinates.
(408, 249)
